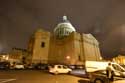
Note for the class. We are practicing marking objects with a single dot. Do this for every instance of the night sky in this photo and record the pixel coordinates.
(105, 19)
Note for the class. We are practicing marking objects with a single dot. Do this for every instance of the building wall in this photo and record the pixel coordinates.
(73, 49)
(61, 50)
(76, 47)
(91, 48)
(41, 47)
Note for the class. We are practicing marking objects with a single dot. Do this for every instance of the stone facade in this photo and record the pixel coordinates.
(39, 47)
(63, 46)
(74, 49)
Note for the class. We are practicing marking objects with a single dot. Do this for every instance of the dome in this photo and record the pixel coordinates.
(64, 28)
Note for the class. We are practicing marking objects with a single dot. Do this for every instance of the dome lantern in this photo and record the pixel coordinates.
(64, 28)
(64, 18)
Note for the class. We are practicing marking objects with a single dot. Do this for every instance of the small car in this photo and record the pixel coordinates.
(56, 69)
(30, 66)
(76, 66)
(41, 66)
(4, 65)
(19, 66)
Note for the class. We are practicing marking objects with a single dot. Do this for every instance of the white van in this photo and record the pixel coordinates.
(92, 66)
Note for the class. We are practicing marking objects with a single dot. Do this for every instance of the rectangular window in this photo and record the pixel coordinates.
(42, 44)
(79, 58)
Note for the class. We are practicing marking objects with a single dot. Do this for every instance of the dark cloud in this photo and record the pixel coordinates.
(105, 19)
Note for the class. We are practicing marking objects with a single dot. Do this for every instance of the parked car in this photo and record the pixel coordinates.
(19, 66)
(100, 77)
(4, 65)
(56, 69)
(76, 66)
(30, 66)
(123, 66)
(78, 70)
(41, 66)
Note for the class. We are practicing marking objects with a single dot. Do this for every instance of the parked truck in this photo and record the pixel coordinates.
(96, 71)
(92, 66)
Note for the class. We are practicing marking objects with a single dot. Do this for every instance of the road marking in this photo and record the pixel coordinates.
(6, 80)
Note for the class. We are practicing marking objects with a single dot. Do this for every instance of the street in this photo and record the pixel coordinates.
(37, 76)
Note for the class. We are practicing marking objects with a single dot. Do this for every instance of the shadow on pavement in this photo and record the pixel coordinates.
(83, 81)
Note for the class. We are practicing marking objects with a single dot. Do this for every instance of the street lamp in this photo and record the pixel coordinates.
(7, 58)
(67, 57)
(4, 56)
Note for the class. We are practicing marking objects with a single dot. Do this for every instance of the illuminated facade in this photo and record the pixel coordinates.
(4, 57)
(120, 59)
(64, 46)
(17, 55)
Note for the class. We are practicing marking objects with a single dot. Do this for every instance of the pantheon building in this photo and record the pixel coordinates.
(62, 46)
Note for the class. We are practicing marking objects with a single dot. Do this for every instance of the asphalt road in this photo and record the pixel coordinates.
(37, 76)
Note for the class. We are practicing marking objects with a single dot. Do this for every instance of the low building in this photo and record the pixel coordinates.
(120, 59)
(4, 57)
(18, 55)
